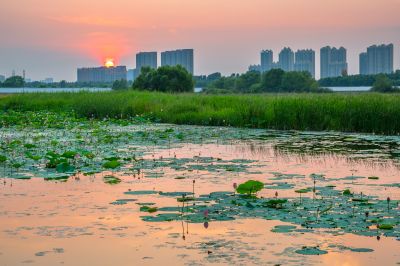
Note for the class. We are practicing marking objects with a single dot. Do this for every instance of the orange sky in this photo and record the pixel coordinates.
(52, 38)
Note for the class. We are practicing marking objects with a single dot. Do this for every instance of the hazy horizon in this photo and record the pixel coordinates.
(52, 39)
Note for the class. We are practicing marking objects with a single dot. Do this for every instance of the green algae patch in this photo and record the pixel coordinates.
(283, 229)
(122, 201)
(112, 164)
(57, 177)
(311, 251)
(333, 212)
(141, 192)
(361, 250)
(111, 180)
(175, 194)
(148, 209)
(385, 226)
(347, 192)
(145, 203)
(163, 217)
(185, 199)
(352, 249)
(65, 168)
(274, 203)
(362, 200)
(303, 190)
(280, 186)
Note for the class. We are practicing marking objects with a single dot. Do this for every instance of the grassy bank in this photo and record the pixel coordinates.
(369, 112)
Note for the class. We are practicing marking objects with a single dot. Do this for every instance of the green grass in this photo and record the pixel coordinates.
(358, 112)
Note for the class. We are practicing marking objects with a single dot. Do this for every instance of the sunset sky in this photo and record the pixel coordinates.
(51, 38)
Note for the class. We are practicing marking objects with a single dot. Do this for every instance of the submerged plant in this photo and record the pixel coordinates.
(111, 180)
(148, 209)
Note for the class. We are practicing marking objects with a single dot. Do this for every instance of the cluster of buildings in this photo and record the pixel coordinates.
(101, 74)
(333, 61)
(301, 60)
(377, 59)
(183, 57)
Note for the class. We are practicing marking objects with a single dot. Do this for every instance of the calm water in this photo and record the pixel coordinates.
(72, 222)
(33, 90)
(197, 90)
(349, 89)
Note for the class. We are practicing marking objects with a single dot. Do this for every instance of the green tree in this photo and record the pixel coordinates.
(165, 79)
(214, 76)
(224, 83)
(120, 85)
(14, 82)
(298, 82)
(275, 80)
(271, 81)
(63, 84)
(248, 80)
(383, 84)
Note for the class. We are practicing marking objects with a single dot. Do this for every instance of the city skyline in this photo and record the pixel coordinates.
(378, 59)
(50, 39)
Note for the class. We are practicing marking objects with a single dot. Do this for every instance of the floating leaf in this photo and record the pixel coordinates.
(111, 164)
(311, 251)
(111, 180)
(65, 168)
(148, 209)
(250, 187)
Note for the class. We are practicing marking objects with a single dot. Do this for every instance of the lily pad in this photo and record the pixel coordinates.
(112, 180)
(250, 187)
(283, 228)
(141, 192)
(311, 251)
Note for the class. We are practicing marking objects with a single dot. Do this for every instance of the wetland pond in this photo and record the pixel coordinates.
(122, 193)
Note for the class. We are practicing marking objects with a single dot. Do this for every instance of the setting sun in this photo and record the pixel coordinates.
(109, 62)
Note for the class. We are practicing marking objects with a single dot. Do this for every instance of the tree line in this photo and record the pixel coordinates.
(19, 82)
(359, 80)
(275, 80)
(178, 79)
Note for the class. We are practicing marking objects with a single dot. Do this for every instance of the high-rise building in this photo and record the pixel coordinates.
(48, 80)
(378, 59)
(101, 74)
(267, 60)
(305, 61)
(286, 59)
(146, 59)
(182, 57)
(131, 74)
(363, 64)
(255, 68)
(333, 61)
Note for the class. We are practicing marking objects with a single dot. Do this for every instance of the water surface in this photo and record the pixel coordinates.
(83, 220)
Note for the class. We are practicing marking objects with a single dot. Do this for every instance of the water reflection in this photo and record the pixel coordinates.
(38, 215)
(262, 151)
